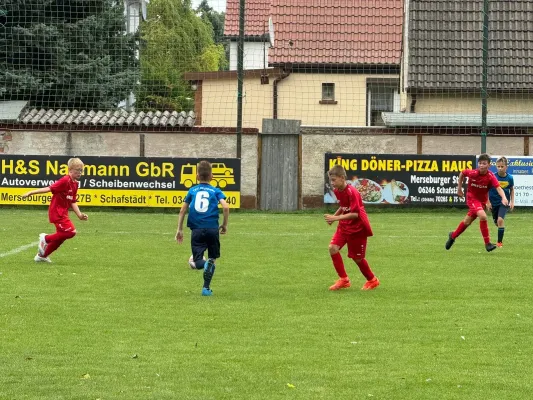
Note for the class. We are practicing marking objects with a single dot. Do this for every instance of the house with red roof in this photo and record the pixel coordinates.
(325, 63)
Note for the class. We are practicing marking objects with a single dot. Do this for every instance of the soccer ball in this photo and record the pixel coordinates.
(192, 264)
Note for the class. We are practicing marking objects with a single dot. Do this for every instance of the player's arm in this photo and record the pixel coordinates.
(77, 211)
(37, 191)
(460, 184)
(502, 195)
(332, 218)
(225, 214)
(511, 191)
(181, 218)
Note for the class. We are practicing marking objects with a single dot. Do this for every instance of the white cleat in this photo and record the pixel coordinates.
(38, 258)
(42, 243)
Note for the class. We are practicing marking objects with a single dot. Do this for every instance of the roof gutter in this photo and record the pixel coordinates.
(284, 74)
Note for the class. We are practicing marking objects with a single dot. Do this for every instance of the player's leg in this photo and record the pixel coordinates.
(484, 228)
(501, 224)
(198, 247)
(465, 223)
(337, 243)
(213, 253)
(64, 230)
(357, 252)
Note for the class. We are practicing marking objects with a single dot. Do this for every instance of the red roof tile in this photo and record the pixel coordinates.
(255, 17)
(326, 31)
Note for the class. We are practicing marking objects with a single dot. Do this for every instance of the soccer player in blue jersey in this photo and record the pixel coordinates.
(203, 200)
(495, 202)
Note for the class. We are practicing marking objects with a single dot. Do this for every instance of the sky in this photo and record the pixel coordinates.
(218, 5)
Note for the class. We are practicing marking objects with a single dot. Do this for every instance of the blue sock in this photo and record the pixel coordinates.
(501, 231)
(209, 271)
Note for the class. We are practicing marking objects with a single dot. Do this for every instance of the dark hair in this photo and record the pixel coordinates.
(502, 160)
(484, 157)
(337, 170)
(204, 170)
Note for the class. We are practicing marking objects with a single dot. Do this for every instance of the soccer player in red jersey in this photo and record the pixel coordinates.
(64, 193)
(480, 181)
(353, 229)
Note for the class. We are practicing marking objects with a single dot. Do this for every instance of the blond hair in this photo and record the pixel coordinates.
(337, 170)
(74, 162)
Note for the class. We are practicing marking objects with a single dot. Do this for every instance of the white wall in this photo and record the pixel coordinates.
(255, 55)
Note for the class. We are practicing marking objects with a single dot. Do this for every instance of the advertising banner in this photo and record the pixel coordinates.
(116, 181)
(521, 168)
(401, 179)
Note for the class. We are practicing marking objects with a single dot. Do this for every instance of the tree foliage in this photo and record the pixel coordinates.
(66, 53)
(174, 41)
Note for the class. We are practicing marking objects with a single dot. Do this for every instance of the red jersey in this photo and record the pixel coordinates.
(350, 201)
(64, 193)
(479, 185)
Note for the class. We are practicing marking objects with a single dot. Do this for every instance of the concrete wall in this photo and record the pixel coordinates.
(315, 143)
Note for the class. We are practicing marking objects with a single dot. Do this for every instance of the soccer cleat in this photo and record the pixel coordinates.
(341, 283)
(450, 241)
(371, 284)
(38, 258)
(499, 244)
(489, 247)
(42, 243)
(207, 292)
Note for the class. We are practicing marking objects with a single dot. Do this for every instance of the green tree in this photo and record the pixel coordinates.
(174, 41)
(66, 53)
(216, 19)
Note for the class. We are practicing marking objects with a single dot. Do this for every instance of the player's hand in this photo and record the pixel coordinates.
(330, 218)
(179, 237)
(489, 206)
(511, 205)
(460, 192)
(223, 229)
(26, 194)
(505, 202)
(83, 217)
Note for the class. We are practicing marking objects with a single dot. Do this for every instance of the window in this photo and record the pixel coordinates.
(381, 98)
(328, 94)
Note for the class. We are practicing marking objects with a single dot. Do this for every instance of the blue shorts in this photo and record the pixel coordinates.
(498, 212)
(205, 239)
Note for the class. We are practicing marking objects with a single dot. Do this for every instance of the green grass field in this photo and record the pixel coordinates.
(118, 314)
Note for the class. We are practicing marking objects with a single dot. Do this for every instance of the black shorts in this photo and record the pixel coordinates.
(205, 239)
(498, 211)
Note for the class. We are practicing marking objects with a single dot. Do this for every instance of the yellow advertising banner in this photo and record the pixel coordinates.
(115, 181)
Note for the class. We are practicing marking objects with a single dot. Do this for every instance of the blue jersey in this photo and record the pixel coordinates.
(203, 200)
(506, 183)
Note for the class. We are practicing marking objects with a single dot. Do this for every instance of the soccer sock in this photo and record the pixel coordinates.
(460, 229)
(339, 265)
(365, 269)
(55, 240)
(209, 270)
(501, 231)
(484, 228)
(51, 247)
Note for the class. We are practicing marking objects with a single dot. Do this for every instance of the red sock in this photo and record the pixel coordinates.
(339, 265)
(365, 269)
(55, 240)
(460, 229)
(484, 228)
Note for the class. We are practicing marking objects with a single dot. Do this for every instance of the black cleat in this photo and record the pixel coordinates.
(490, 246)
(450, 241)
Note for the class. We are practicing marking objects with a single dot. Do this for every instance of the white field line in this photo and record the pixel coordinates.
(18, 249)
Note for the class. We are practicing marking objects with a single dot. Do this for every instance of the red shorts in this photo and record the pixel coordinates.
(65, 225)
(473, 207)
(356, 244)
